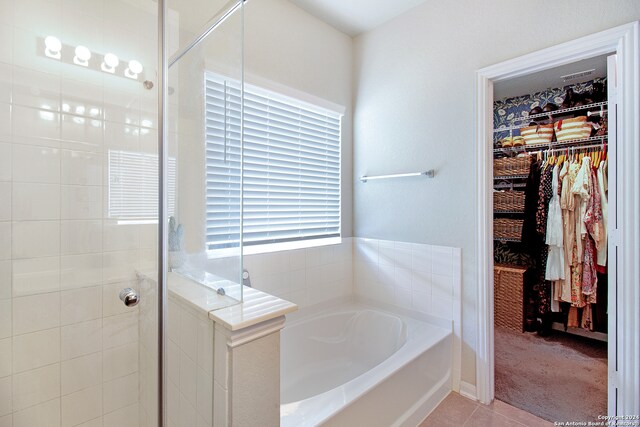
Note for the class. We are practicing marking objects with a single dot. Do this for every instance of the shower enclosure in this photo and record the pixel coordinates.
(202, 137)
(80, 210)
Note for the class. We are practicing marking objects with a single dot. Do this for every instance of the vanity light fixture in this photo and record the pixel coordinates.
(110, 63)
(135, 68)
(83, 54)
(52, 47)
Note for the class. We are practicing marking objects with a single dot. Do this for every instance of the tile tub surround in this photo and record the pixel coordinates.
(413, 276)
(416, 276)
(304, 276)
(422, 278)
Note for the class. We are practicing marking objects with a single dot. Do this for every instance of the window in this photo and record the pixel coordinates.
(291, 167)
(133, 185)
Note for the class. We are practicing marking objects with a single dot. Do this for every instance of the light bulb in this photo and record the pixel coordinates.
(53, 46)
(111, 60)
(110, 63)
(83, 54)
(135, 66)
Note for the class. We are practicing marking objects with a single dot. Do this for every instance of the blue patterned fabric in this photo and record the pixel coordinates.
(504, 111)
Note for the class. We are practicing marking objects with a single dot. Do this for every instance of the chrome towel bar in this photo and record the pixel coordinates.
(429, 174)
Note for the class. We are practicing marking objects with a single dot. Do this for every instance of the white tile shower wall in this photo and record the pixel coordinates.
(415, 276)
(304, 276)
(190, 365)
(68, 347)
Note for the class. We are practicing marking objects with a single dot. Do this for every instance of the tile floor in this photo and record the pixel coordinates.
(457, 411)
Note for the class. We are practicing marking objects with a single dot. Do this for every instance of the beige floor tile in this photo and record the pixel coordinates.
(454, 410)
(519, 415)
(484, 417)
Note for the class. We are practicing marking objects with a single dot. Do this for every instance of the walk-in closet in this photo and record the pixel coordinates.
(553, 157)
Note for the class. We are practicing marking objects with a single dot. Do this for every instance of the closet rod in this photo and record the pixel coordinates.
(572, 149)
(429, 174)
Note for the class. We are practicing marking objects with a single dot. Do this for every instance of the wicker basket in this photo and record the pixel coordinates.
(508, 229)
(512, 201)
(508, 296)
(571, 129)
(511, 166)
(537, 134)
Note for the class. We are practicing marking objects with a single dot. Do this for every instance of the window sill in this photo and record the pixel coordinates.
(274, 247)
(289, 246)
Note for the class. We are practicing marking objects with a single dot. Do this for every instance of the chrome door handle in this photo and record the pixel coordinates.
(129, 297)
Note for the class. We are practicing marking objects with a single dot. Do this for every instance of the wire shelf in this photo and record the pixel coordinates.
(506, 177)
(510, 185)
(552, 145)
(507, 239)
(548, 115)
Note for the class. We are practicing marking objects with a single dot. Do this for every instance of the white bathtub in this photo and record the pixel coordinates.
(359, 365)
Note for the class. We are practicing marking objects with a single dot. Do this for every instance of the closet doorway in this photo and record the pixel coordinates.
(550, 206)
(540, 315)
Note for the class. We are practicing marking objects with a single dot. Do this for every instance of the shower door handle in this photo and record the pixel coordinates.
(129, 297)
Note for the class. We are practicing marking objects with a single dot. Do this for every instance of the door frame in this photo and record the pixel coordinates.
(624, 234)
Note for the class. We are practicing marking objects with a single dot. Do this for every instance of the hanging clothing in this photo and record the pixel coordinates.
(604, 204)
(531, 240)
(581, 190)
(577, 298)
(555, 233)
(544, 195)
(593, 239)
(567, 206)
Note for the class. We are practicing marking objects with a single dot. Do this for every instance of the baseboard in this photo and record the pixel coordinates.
(468, 390)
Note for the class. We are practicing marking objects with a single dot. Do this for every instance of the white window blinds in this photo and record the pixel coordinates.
(291, 167)
(133, 185)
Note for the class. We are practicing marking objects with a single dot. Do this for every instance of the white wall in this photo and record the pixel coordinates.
(286, 45)
(414, 98)
(285, 50)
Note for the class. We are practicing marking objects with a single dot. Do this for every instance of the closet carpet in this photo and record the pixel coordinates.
(557, 378)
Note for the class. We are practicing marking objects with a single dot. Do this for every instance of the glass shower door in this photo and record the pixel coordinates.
(78, 212)
(203, 130)
(204, 147)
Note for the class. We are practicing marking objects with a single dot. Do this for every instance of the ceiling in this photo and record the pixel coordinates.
(356, 16)
(551, 78)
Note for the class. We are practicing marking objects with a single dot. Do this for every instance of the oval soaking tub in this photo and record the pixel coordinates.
(360, 365)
